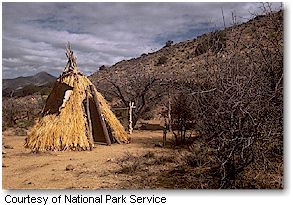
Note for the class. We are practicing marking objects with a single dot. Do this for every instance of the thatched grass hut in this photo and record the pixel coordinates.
(75, 116)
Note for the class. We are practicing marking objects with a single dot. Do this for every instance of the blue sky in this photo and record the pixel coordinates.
(34, 34)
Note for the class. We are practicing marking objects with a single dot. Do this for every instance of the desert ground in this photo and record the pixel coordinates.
(106, 167)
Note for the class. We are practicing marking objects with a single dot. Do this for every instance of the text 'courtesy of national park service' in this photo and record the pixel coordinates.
(80, 199)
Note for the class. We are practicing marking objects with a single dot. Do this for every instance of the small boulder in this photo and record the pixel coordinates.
(8, 146)
(110, 160)
(158, 145)
(3, 152)
(69, 167)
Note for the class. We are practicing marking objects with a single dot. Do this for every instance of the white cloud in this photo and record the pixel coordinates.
(35, 34)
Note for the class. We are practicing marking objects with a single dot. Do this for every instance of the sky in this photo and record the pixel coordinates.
(34, 35)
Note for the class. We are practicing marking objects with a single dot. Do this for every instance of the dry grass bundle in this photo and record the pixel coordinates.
(66, 128)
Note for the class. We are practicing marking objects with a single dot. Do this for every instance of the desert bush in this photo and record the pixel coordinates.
(214, 42)
(20, 132)
(21, 111)
(45, 91)
(182, 117)
(130, 164)
(102, 67)
(149, 154)
(162, 60)
(168, 43)
(29, 90)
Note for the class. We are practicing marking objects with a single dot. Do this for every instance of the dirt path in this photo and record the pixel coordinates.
(95, 169)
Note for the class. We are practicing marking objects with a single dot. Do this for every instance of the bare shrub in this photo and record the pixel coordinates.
(238, 106)
(145, 93)
(130, 164)
(214, 42)
(21, 111)
(182, 118)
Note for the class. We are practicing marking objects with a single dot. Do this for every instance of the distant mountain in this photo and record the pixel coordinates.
(17, 85)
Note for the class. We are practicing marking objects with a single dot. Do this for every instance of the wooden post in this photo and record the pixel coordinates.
(90, 129)
(165, 136)
(131, 106)
(102, 120)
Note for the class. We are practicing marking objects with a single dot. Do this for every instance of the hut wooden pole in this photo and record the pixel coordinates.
(105, 131)
(164, 136)
(131, 106)
(90, 129)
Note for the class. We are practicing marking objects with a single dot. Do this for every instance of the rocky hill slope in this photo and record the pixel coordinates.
(147, 79)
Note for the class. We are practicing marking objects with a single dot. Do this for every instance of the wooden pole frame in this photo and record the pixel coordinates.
(131, 106)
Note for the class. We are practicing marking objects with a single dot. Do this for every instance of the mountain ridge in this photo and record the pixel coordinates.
(19, 83)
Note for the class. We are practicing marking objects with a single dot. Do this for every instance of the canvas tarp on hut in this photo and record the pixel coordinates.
(75, 115)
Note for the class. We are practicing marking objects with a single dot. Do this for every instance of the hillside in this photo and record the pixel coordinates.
(19, 84)
(147, 80)
(186, 57)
